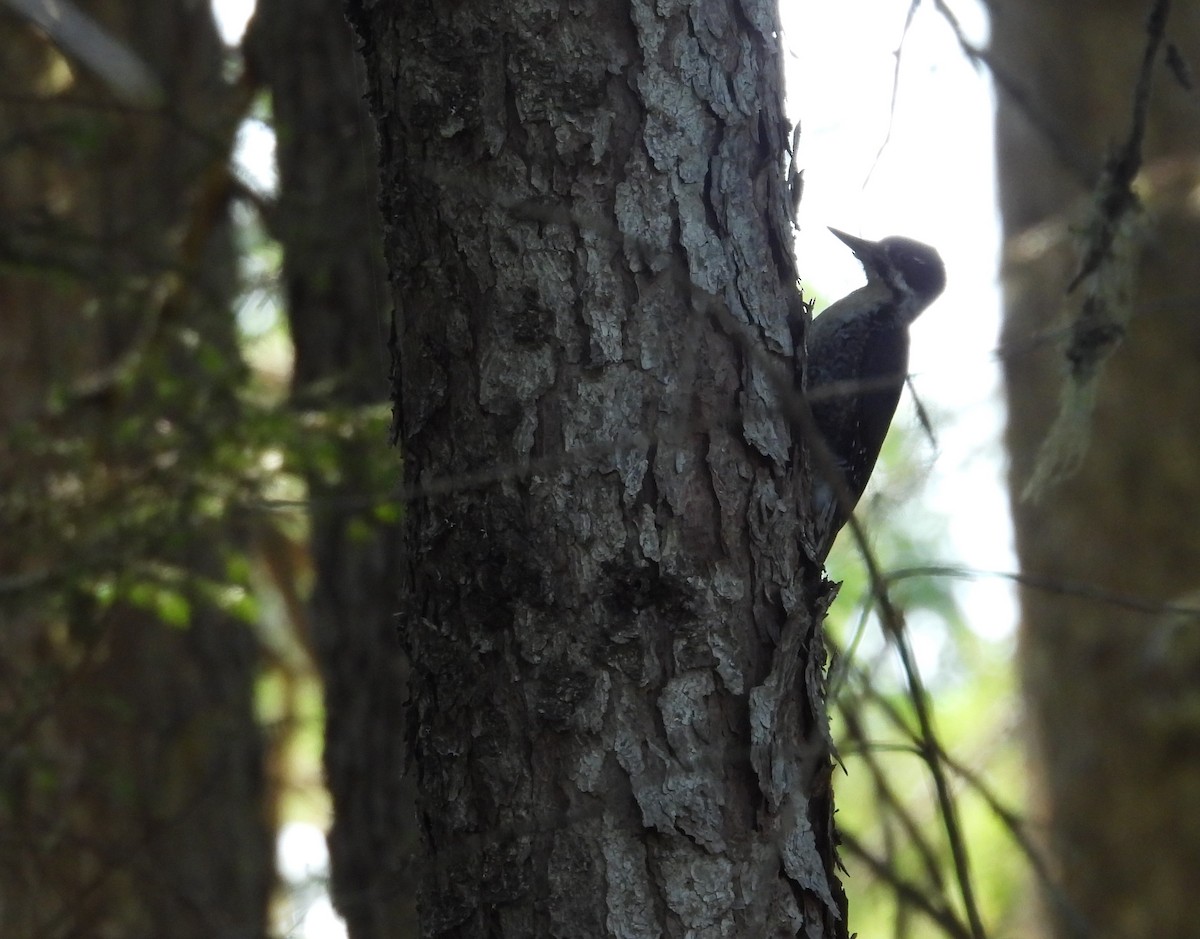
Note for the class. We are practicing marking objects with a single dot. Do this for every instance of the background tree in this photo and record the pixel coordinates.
(134, 797)
(334, 290)
(615, 639)
(1110, 678)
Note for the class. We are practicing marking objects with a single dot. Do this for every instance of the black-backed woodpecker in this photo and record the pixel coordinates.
(857, 366)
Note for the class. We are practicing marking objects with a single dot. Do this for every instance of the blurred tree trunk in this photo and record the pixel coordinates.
(1112, 691)
(617, 726)
(131, 764)
(335, 288)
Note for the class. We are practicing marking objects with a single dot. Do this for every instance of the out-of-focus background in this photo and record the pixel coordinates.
(195, 478)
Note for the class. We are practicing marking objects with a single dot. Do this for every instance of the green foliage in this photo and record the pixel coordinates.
(170, 606)
(114, 484)
(901, 872)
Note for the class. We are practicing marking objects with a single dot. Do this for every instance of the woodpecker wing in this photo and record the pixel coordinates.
(857, 363)
(857, 368)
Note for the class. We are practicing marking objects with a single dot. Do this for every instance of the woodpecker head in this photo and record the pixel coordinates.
(912, 272)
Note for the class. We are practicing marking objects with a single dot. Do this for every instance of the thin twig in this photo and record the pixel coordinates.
(913, 893)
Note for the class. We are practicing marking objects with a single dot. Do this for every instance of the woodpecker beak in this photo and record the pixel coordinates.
(866, 251)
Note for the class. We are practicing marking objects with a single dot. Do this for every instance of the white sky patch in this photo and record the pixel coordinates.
(302, 860)
(232, 17)
(254, 156)
(301, 852)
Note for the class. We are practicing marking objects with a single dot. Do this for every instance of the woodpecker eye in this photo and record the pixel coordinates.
(919, 265)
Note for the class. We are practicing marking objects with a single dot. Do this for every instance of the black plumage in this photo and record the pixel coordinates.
(857, 365)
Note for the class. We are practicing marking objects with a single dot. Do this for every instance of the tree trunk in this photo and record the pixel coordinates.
(1110, 679)
(335, 289)
(132, 763)
(617, 719)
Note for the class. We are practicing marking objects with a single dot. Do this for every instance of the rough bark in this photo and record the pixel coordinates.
(1110, 688)
(132, 764)
(616, 722)
(335, 288)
